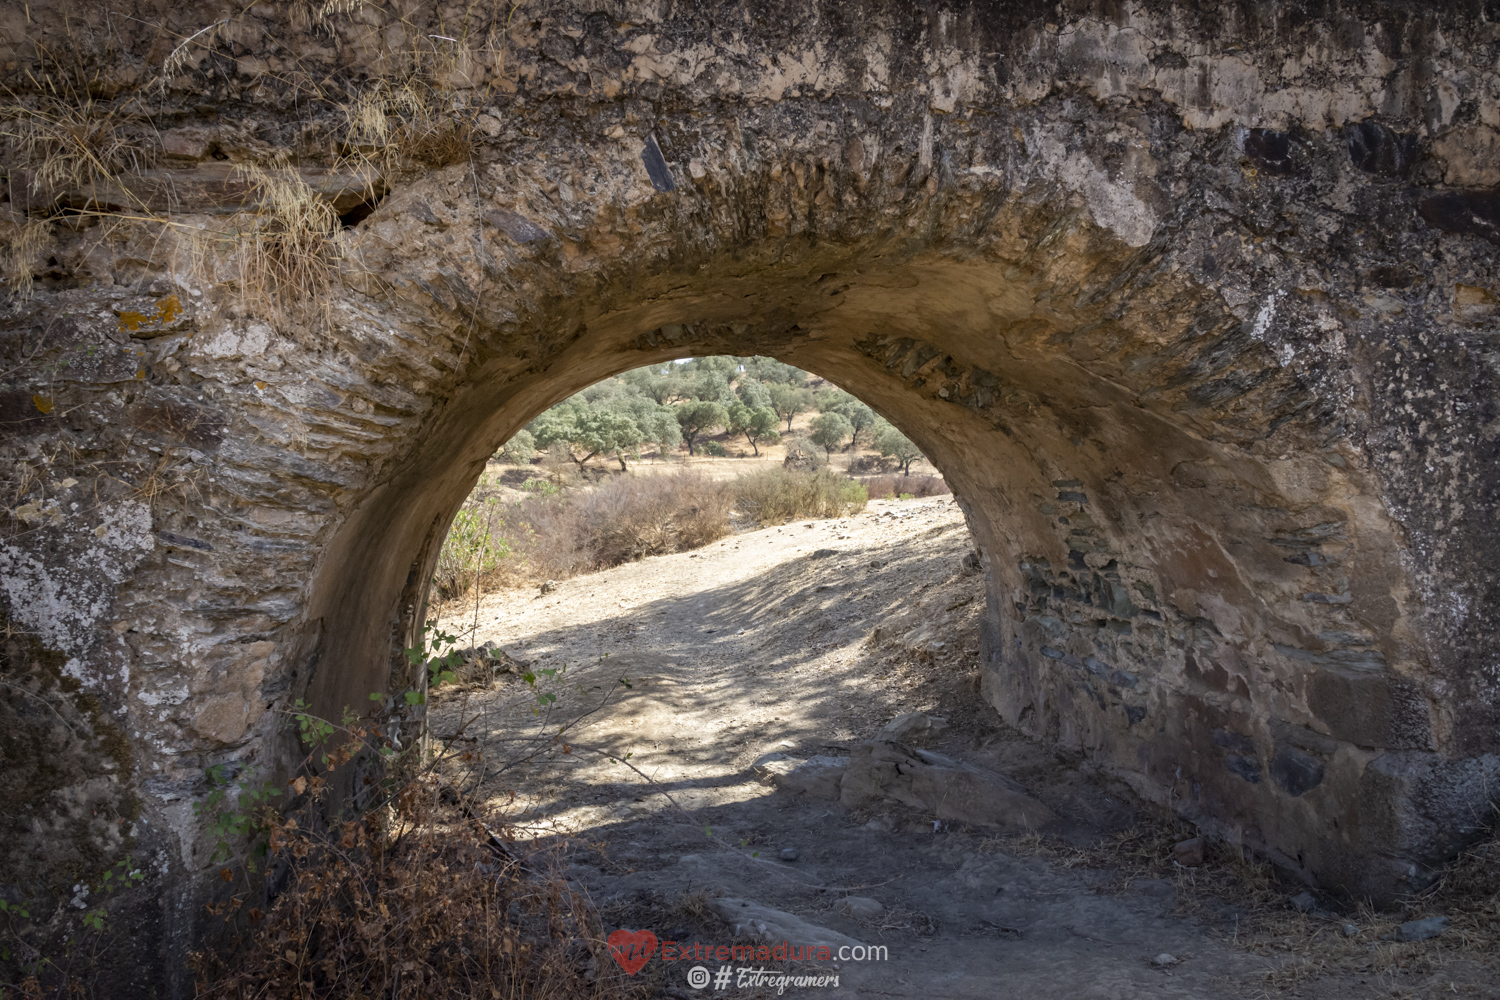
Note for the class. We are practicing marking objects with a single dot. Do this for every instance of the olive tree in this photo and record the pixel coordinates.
(699, 418)
(587, 431)
(830, 430)
(757, 423)
(788, 401)
(893, 444)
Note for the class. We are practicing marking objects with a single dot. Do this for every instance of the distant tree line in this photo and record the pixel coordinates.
(686, 403)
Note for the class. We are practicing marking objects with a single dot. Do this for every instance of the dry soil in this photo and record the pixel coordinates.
(803, 640)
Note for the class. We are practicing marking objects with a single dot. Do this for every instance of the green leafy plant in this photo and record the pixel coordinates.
(437, 651)
(520, 449)
(473, 549)
(235, 810)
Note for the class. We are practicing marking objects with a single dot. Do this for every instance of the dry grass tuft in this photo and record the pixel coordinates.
(556, 533)
(286, 250)
(553, 535)
(20, 246)
(61, 143)
(391, 125)
(777, 496)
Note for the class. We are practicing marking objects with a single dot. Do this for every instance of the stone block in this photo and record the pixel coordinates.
(939, 787)
(816, 776)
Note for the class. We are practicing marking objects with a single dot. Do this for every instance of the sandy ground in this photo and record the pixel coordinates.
(803, 640)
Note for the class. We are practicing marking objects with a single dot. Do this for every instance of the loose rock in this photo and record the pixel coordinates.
(817, 776)
(860, 908)
(749, 919)
(1189, 853)
(1422, 930)
(913, 727)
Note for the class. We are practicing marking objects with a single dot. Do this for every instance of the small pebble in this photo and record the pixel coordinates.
(788, 854)
(1350, 930)
(1165, 959)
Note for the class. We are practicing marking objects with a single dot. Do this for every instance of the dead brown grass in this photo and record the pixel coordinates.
(776, 496)
(416, 894)
(391, 125)
(432, 908)
(67, 140)
(894, 486)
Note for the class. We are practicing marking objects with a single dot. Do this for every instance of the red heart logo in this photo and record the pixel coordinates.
(631, 949)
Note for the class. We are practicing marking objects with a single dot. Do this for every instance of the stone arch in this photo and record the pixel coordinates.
(1159, 495)
(1205, 349)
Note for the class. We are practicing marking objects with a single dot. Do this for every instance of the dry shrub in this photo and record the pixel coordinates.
(555, 533)
(776, 496)
(415, 894)
(436, 909)
(552, 534)
(917, 486)
(632, 517)
(474, 549)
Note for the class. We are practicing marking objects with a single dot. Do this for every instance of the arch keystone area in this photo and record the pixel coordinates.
(1194, 305)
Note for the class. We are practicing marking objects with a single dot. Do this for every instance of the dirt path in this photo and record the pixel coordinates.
(803, 641)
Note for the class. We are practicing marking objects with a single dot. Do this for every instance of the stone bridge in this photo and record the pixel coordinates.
(1194, 304)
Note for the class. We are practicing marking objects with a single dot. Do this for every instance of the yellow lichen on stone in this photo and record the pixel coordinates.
(130, 320)
(167, 310)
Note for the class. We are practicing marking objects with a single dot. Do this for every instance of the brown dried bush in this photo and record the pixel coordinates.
(432, 910)
(552, 534)
(895, 486)
(776, 496)
(414, 895)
